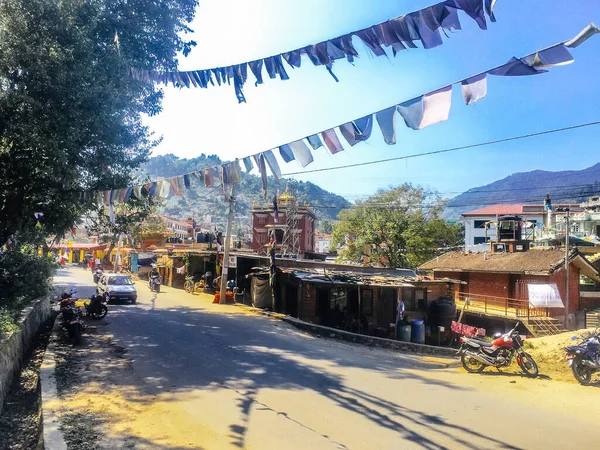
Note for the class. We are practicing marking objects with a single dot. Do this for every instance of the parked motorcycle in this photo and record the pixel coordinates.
(154, 282)
(70, 316)
(476, 354)
(98, 272)
(584, 359)
(95, 307)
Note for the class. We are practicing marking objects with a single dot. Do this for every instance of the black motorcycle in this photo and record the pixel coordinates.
(154, 282)
(70, 318)
(96, 307)
(584, 359)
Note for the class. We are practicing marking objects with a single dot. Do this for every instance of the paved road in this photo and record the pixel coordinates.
(212, 376)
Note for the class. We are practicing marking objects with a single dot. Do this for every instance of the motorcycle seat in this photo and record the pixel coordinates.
(480, 342)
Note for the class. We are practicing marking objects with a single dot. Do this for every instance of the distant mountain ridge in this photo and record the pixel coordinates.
(200, 201)
(568, 186)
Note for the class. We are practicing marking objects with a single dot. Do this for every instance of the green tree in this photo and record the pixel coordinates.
(129, 220)
(70, 114)
(399, 227)
(326, 226)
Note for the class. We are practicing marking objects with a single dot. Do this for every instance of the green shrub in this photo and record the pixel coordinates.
(24, 276)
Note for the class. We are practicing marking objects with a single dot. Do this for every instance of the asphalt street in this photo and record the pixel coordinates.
(216, 376)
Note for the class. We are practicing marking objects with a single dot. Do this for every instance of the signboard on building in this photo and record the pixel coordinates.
(232, 261)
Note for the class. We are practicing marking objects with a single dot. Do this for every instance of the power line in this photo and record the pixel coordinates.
(448, 150)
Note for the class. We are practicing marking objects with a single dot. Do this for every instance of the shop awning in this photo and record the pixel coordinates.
(544, 296)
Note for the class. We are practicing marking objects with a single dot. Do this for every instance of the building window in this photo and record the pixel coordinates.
(479, 240)
(479, 223)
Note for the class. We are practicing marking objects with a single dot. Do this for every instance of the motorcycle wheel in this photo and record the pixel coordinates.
(528, 365)
(101, 314)
(188, 287)
(470, 364)
(581, 373)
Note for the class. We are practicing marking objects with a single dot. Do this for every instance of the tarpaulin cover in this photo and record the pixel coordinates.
(544, 296)
(261, 293)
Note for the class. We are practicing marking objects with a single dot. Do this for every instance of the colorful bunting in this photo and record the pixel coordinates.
(399, 33)
(419, 112)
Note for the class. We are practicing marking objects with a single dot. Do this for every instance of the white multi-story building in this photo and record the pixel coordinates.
(323, 243)
(476, 231)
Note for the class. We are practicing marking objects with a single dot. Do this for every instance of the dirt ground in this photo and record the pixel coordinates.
(79, 372)
(20, 421)
(549, 353)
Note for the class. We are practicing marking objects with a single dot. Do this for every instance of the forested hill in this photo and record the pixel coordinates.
(568, 186)
(200, 201)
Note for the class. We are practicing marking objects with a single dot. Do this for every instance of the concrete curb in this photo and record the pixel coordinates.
(371, 341)
(53, 437)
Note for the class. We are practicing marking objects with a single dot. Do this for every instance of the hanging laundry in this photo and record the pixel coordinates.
(106, 197)
(175, 187)
(286, 153)
(114, 196)
(474, 88)
(553, 56)
(209, 179)
(436, 106)
(225, 178)
(186, 181)
(347, 130)
(331, 141)
(196, 175)
(363, 128)
(122, 194)
(301, 153)
(111, 213)
(152, 189)
(272, 162)
(423, 25)
(387, 124)
(515, 68)
(474, 9)
(412, 112)
(236, 171)
(248, 164)
(260, 163)
(585, 34)
(428, 109)
(163, 189)
(137, 192)
(429, 38)
(314, 141)
(128, 193)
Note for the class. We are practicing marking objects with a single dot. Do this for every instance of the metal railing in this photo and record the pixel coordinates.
(499, 306)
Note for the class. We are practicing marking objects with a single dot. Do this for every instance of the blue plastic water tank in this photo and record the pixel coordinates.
(417, 334)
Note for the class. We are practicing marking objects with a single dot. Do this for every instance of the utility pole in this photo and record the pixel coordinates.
(222, 299)
(567, 230)
(118, 256)
(567, 269)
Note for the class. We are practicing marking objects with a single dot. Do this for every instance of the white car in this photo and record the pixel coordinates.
(117, 287)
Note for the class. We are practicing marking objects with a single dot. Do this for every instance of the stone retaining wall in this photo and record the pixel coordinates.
(14, 347)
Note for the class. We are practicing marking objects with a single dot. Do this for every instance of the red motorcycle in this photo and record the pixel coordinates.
(476, 354)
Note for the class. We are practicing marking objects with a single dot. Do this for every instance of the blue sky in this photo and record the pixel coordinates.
(211, 121)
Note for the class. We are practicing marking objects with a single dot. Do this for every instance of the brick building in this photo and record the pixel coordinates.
(506, 275)
(264, 225)
(312, 294)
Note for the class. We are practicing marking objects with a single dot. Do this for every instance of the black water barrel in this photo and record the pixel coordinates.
(442, 312)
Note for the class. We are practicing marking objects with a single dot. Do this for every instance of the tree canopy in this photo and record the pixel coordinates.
(400, 227)
(70, 116)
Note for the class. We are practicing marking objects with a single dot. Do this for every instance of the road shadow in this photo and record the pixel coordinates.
(175, 351)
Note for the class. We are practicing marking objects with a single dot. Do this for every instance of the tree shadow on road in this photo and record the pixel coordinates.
(186, 349)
